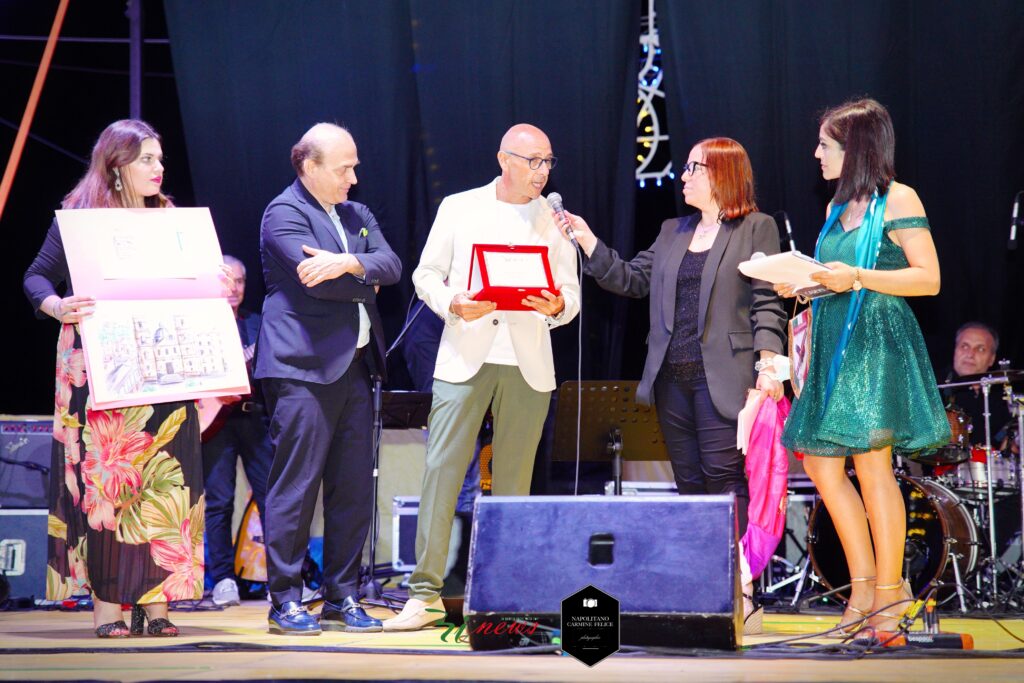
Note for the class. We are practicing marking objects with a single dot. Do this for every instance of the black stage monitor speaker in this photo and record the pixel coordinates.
(23, 552)
(25, 447)
(670, 561)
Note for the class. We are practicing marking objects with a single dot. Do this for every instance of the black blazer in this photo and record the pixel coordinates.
(310, 333)
(736, 317)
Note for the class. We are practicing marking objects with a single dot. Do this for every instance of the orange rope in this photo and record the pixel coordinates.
(30, 108)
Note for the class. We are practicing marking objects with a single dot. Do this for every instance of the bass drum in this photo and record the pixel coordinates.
(937, 524)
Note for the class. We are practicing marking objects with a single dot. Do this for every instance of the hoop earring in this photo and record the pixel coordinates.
(117, 180)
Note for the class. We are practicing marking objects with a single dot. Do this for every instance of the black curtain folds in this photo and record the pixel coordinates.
(254, 76)
(567, 67)
(427, 88)
(949, 73)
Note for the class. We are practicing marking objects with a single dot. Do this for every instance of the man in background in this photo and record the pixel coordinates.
(974, 354)
(233, 427)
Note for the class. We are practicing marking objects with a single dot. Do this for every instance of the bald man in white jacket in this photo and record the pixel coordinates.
(487, 357)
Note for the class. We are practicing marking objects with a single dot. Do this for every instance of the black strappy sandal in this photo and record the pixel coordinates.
(157, 627)
(115, 629)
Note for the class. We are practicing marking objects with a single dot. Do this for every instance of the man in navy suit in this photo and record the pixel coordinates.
(324, 257)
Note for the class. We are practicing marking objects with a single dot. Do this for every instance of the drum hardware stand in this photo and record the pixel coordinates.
(806, 572)
(1016, 405)
(767, 587)
(1016, 402)
(959, 581)
(986, 388)
(800, 577)
(797, 600)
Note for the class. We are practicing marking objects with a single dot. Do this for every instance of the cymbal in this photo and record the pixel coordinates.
(1011, 375)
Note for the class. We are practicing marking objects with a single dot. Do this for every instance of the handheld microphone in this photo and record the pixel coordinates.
(555, 202)
(1014, 222)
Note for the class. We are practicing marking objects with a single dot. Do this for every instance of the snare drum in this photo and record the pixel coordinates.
(972, 475)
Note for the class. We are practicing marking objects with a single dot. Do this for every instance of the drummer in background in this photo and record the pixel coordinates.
(974, 354)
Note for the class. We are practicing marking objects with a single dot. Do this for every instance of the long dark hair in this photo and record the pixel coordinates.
(864, 130)
(118, 145)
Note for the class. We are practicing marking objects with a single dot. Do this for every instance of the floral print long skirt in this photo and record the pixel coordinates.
(126, 495)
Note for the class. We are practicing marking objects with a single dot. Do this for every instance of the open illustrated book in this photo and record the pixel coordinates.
(161, 329)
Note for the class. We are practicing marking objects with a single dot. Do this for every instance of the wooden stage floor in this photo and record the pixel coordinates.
(233, 645)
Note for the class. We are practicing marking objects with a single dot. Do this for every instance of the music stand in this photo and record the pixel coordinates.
(405, 409)
(612, 425)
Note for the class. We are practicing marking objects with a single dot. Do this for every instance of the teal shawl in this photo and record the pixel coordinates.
(869, 241)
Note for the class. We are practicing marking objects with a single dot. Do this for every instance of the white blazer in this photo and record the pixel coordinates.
(470, 218)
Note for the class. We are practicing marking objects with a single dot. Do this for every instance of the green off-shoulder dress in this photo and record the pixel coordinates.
(885, 393)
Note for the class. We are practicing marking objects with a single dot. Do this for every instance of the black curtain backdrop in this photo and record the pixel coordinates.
(254, 76)
(949, 73)
(85, 90)
(427, 89)
(568, 67)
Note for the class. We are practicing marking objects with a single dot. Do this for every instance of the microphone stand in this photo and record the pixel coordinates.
(371, 589)
(789, 228)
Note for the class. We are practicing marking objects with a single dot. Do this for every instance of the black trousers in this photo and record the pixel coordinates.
(701, 443)
(321, 433)
(243, 435)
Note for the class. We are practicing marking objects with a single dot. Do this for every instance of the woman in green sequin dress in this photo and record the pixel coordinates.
(871, 391)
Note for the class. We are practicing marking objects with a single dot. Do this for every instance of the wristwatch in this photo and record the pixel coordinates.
(764, 364)
(857, 284)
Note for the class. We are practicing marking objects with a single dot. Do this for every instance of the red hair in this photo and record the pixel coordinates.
(731, 176)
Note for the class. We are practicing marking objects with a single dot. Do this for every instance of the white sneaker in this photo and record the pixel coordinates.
(417, 614)
(225, 593)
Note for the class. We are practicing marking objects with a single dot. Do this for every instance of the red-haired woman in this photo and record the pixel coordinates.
(126, 485)
(708, 321)
(870, 388)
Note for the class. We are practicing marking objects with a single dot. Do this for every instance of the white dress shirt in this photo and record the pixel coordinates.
(364, 319)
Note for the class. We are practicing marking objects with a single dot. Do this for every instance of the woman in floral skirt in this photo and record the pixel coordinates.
(126, 485)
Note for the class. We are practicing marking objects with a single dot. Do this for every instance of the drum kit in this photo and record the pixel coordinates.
(964, 513)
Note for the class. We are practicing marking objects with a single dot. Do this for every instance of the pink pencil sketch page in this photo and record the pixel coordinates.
(161, 329)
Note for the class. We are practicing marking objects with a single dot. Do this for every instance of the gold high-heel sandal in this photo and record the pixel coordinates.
(844, 631)
(908, 600)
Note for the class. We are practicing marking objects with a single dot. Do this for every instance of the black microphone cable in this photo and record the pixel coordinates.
(555, 202)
